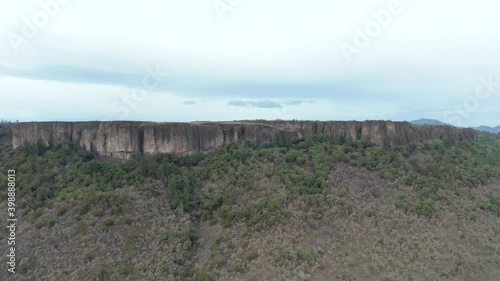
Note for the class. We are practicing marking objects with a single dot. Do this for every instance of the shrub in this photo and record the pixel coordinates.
(40, 223)
(252, 255)
(202, 275)
(165, 270)
(98, 212)
(24, 266)
(127, 220)
(305, 256)
(101, 270)
(239, 268)
(88, 255)
(108, 224)
(370, 213)
(82, 227)
(426, 207)
(293, 155)
(61, 209)
(403, 203)
(495, 206)
(283, 255)
(218, 261)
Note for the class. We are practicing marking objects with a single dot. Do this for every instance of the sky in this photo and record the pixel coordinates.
(221, 60)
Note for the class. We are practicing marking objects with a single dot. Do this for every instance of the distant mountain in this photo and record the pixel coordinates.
(488, 129)
(424, 121)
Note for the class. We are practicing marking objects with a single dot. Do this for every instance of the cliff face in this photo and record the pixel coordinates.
(384, 133)
(122, 139)
(5, 134)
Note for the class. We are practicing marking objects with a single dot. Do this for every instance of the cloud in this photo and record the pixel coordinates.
(295, 102)
(25, 104)
(404, 73)
(265, 103)
(259, 104)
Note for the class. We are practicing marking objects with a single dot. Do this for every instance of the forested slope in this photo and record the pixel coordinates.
(306, 209)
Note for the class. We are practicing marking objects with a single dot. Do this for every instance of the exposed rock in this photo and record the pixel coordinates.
(5, 134)
(122, 139)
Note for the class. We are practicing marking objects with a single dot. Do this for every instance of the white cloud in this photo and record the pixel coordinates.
(432, 51)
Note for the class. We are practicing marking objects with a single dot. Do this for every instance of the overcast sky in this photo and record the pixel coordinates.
(250, 59)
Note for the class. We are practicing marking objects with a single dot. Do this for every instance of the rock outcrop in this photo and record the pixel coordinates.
(122, 139)
(5, 134)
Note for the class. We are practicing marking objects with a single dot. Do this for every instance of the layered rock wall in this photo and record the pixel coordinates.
(5, 134)
(122, 139)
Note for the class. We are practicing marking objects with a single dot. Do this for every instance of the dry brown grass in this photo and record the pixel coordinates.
(375, 242)
(355, 232)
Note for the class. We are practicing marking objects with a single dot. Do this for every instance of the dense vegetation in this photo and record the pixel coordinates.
(223, 186)
(53, 174)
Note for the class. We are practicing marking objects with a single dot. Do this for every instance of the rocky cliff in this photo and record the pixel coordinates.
(5, 134)
(122, 139)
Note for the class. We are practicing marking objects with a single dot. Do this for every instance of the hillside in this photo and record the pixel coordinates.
(424, 121)
(488, 129)
(434, 122)
(313, 208)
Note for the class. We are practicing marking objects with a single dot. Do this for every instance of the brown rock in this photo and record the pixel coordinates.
(122, 139)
